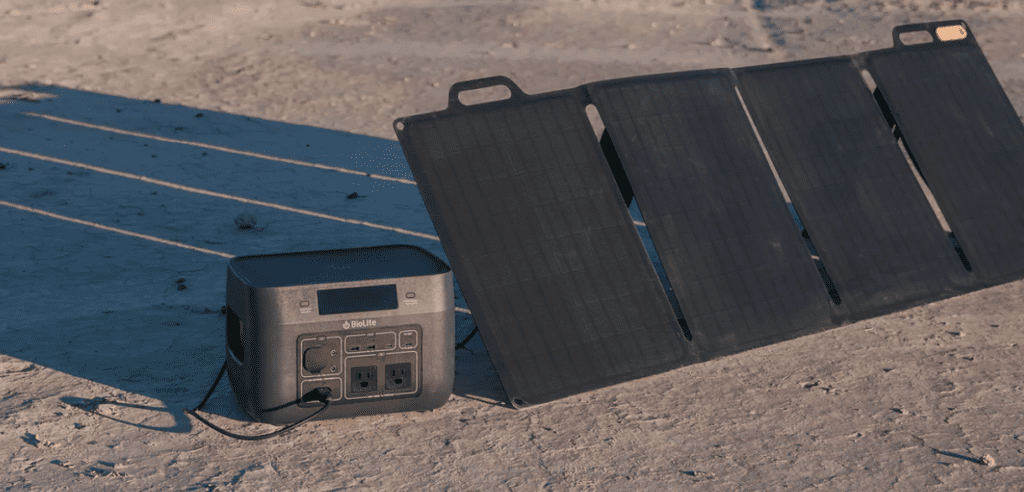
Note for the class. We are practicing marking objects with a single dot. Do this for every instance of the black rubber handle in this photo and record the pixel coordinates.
(930, 28)
(468, 85)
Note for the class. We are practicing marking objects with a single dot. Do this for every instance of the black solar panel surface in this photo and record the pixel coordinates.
(736, 260)
(545, 251)
(855, 192)
(968, 142)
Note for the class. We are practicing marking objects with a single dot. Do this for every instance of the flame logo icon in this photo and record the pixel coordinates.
(346, 325)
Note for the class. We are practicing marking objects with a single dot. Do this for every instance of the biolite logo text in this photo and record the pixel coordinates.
(362, 323)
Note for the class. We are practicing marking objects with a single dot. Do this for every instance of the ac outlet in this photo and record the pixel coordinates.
(371, 366)
(398, 376)
(363, 380)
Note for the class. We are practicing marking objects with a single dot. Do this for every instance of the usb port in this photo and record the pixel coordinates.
(359, 343)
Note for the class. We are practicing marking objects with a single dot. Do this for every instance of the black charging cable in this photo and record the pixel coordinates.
(322, 395)
(469, 337)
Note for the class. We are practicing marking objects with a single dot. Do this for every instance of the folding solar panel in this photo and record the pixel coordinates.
(539, 238)
(733, 255)
(878, 237)
(530, 207)
(965, 137)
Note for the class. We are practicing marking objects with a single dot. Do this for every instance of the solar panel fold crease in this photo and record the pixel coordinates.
(869, 219)
(736, 261)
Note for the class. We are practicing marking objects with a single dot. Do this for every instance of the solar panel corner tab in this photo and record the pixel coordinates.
(856, 194)
(736, 262)
(545, 251)
(965, 137)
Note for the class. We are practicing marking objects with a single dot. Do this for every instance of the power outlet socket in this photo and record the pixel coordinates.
(398, 376)
(363, 379)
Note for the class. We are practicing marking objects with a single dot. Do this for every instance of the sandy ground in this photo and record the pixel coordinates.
(927, 399)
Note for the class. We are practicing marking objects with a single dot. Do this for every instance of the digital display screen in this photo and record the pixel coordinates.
(354, 299)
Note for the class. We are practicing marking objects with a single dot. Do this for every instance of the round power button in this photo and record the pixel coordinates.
(315, 359)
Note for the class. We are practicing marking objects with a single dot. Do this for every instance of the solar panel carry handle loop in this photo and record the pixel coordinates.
(930, 28)
(469, 85)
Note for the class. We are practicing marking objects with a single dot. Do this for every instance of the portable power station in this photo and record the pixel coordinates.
(375, 326)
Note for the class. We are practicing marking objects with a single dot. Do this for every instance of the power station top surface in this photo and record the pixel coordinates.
(338, 265)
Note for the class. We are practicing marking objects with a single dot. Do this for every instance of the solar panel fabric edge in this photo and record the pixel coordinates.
(733, 255)
(965, 136)
(545, 251)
